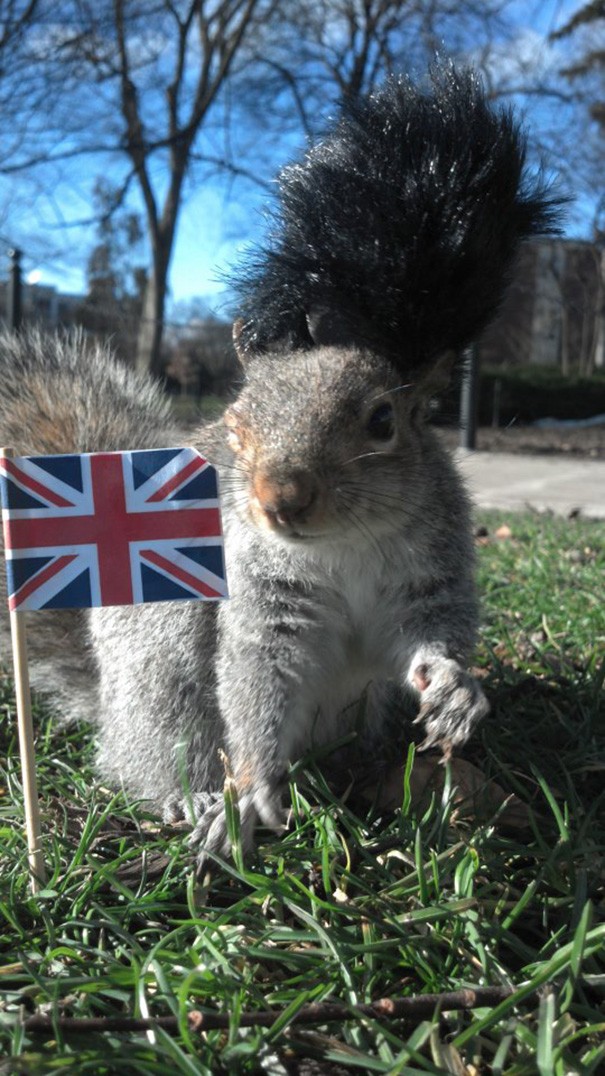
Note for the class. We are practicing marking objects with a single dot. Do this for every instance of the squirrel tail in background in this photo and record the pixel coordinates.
(400, 229)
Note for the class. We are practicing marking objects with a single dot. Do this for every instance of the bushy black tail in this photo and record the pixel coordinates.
(402, 225)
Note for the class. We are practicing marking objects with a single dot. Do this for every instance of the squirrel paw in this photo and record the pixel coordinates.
(177, 808)
(211, 834)
(451, 702)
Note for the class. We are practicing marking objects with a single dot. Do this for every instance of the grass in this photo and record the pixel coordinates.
(191, 410)
(352, 904)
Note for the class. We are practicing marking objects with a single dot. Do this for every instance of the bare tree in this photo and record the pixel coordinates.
(162, 66)
(325, 51)
(133, 85)
(588, 23)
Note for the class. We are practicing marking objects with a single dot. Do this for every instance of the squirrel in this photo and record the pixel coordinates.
(348, 533)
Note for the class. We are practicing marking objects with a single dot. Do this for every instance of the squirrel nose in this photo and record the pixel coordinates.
(287, 502)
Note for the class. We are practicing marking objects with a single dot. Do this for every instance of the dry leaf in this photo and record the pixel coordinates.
(340, 896)
(151, 867)
(446, 1056)
(475, 796)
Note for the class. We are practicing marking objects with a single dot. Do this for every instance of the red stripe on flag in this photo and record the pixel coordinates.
(185, 577)
(176, 480)
(112, 526)
(38, 580)
(34, 486)
(134, 526)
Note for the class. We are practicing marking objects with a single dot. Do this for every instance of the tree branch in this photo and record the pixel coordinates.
(135, 144)
(290, 79)
(222, 164)
(11, 29)
(587, 13)
(416, 1007)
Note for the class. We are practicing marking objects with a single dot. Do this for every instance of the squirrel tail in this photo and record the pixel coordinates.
(399, 230)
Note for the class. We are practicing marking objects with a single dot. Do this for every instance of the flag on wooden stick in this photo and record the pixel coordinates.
(107, 528)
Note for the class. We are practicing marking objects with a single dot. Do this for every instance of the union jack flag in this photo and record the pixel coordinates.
(111, 528)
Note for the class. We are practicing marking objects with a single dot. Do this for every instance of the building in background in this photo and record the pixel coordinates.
(554, 311)
(44, 305)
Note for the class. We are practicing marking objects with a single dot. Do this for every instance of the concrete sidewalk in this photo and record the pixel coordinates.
(561, 484)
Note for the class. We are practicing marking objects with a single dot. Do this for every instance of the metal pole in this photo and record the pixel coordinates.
(496, 403)
(13, 295)
(469, 399)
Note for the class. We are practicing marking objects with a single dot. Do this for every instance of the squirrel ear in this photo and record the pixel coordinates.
(238, 343)
(232, 420)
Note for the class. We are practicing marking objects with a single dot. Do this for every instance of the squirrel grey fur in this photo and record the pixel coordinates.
(347, 531)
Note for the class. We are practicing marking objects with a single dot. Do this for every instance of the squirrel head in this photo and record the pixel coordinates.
(327, 443)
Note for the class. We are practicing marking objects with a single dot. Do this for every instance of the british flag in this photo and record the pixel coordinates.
(111, 528)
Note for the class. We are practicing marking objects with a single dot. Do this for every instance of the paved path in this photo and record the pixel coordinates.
(561, 484)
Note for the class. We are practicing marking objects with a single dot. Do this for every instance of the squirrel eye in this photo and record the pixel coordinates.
(381, 423)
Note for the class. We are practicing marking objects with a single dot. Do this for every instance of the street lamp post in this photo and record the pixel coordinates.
(14, 291)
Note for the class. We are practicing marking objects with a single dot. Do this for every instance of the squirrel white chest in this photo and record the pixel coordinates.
(353, 658)
(367, 589)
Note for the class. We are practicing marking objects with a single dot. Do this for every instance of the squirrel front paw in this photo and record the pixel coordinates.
(211, 832)
(451, 700)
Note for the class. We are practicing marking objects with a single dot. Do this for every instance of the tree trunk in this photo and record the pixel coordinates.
(149, 337)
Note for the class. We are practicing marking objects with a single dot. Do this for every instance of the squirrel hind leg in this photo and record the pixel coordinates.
(210, 836)
(178, 808)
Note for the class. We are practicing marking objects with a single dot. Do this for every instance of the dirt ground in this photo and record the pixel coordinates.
(529, 439)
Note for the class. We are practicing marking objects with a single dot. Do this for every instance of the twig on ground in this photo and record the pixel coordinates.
(418, 1006)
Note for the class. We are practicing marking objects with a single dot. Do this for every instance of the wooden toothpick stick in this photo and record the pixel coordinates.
(26, 744)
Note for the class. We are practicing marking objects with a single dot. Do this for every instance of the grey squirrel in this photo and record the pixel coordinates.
(348, 537)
